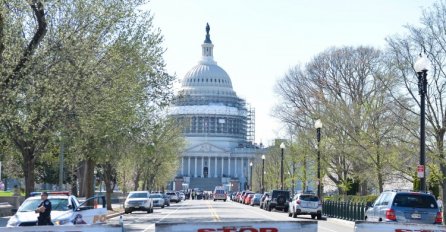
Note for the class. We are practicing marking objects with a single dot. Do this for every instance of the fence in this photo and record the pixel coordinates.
(344, 210)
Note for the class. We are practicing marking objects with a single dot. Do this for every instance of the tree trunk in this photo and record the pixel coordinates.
(88, 178)
(136, 181)
(108, 170)
(81, 178)
(28, 164)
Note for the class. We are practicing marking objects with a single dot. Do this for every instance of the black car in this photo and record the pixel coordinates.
(279, 199)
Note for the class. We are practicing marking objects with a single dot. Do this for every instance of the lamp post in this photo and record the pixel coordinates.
(318, 126)
(421, 66)
(250, 176)
(282, 147)
(263, 173)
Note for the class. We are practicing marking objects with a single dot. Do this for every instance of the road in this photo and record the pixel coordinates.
(197, 211)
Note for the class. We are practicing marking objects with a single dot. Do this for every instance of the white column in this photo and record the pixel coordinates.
(222, 162)
(195, 175)
(216, 160)
(229, 166)
(209, 167)
(242, 176)
(188, 166)
(202, 166)
(235, 165)
(182, 166)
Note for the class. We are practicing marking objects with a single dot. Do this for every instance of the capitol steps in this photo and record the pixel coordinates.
(207, 184)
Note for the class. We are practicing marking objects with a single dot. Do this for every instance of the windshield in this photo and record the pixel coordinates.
(414, 201)
(308, 198)
(155, 196)
(138, 195)
(31, 204)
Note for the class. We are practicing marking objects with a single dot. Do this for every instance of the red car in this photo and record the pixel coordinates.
(248, 198)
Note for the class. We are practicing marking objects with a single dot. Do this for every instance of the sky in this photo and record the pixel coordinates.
(257, 41)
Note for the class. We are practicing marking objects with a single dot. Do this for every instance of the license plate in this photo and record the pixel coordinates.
(416, 216)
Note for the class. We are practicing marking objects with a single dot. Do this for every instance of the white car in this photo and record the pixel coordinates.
(66, 210)
(173, 197)
(138, 201)
(305, 204)
(158, 199)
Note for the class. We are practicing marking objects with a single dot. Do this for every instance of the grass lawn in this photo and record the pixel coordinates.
(5, 194)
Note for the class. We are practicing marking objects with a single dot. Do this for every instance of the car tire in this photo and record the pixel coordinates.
(224, 200)
(162, 207)
(313, 216)
(289, 214)
(127, 211)
(319, 216)
(269, 208)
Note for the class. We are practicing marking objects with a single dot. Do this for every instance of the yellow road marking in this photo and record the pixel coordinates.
(213, 212)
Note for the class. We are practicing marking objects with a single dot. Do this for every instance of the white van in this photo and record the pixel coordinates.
(220, 193)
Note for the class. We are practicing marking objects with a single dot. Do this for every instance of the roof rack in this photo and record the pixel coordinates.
(407, 190)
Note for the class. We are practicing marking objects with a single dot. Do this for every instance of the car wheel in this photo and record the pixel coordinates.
(127, 211)
(269, 208)
(162, 207)
(319, 216)
(224, 200)
(289, 214)
(313, 216)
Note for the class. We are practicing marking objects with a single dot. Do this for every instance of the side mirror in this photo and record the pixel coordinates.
(69, 206)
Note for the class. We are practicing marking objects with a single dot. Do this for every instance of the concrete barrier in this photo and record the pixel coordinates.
(239, 226)
(365, 226)
(73, 228)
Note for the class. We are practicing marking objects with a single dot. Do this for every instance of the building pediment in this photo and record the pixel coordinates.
(205, 148)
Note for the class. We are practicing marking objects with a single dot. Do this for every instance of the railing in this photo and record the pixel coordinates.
(344, 210)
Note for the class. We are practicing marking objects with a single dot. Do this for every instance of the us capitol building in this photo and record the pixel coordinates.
(218, 127)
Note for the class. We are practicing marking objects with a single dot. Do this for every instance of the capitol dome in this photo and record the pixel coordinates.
(207, 78)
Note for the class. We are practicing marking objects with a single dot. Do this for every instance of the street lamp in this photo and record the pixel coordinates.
(263, 172)
(318, 126)
(282, 147)
(421, 66)
(250, 178)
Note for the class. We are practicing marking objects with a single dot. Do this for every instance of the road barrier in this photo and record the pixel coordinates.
(239, 226)
(364, 226)
(71, 228)
(344, 210)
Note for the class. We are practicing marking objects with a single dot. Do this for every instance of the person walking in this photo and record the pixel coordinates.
(44, 211)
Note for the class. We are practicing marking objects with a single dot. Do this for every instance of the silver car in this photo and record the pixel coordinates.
(138, 201)
(305, 204)
(158, 199)
(405, 206)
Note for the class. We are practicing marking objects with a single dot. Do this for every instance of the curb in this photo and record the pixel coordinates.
(341, 221)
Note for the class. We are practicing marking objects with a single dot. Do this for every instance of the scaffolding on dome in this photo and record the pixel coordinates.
(251, 124)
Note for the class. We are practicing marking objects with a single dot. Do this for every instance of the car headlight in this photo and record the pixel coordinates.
(12, 222)
(62, 222)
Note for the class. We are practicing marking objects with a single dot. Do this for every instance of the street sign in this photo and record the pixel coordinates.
(420, 171)
(239, 226)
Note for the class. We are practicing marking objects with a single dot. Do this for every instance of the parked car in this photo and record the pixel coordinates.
(66, 210)
(308, 204)
(256, 199)
(243, 196)
(182, 196)
(279, 200)
(248, 198)
(158, 199)
(219, 193)
(138, 201)
(173, 197)
(405, 206)
(263, 200)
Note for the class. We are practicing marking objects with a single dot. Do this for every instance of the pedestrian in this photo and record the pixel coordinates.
(440, 203)
(16, 191)
(44, 211)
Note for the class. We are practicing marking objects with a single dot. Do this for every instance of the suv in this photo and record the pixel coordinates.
(138, 201)
(173, 197)
(305, 204)
(279, 200)
(219, 194)
(405, 206)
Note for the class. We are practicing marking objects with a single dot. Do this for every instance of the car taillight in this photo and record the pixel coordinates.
(390, 215)
(439, 218)
(298, 202)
